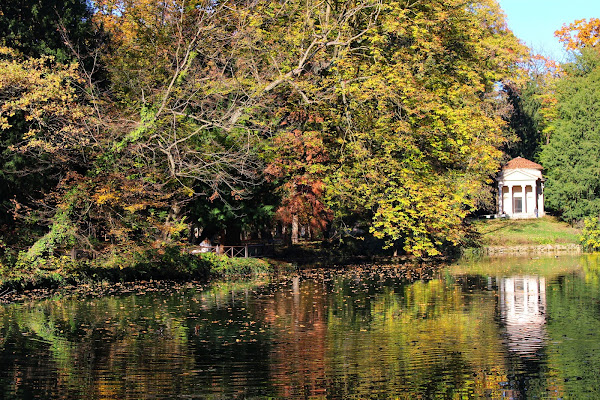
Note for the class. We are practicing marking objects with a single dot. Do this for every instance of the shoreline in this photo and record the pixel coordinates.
(569, 248)
(30, 288)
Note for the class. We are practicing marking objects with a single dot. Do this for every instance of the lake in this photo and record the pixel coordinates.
(516, 328)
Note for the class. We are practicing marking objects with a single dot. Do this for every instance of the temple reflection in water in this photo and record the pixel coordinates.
(522, 304)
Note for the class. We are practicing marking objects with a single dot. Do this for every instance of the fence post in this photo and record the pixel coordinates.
(246, 251)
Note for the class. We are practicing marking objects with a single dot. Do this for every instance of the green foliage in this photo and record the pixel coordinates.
(61, 235)
(168, 263)
(37, 27)
(251, 213)
(223, 266)
(173, 263)
(525, 120)
(51, 271)
(571, 157)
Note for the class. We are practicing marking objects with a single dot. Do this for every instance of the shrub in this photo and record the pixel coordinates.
(222, 266)
(590, 237)
(170, 262)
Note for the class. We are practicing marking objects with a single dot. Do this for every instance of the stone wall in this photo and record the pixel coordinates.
(540, 249)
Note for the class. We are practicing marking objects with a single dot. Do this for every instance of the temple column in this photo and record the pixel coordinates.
(531, 200)
(523, 199)
(509, 203)
(541, 211)
(500, 199)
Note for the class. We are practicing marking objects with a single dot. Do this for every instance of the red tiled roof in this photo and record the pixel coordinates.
(521, 162)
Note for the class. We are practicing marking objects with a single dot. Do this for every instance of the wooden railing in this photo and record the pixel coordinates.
(245, 251)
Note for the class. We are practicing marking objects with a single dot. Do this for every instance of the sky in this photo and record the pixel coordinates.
(534, 21)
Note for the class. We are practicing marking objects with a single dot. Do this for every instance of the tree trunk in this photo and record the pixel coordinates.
(295, 229)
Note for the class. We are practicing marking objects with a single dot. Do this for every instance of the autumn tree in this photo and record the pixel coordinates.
(44, 128)
(384, 112)
(401, 121)
(299, 166)
(204, 83)
(579, 34)
(420, 131)
(39, 39)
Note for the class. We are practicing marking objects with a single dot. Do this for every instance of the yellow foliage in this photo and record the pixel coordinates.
(44, 93)
(106, 196)
(135, 207)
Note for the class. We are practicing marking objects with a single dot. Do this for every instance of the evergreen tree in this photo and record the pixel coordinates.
(572, 156)
(524, 119)
(38, 27)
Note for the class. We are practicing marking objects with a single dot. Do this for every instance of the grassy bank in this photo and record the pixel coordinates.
(525, 232)
(19, 273)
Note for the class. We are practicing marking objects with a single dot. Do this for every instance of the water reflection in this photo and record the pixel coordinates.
(522, 304)
(369, 333)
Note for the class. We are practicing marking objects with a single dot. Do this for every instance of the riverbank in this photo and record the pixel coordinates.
(525, 236)
(22, 279)
(493, 237)
(171, 263)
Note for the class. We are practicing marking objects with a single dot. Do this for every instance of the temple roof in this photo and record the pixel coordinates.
(520, 162)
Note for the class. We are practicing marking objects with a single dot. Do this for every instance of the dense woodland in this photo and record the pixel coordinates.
(124, 124)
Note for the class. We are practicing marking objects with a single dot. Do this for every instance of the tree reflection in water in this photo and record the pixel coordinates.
(368, 333)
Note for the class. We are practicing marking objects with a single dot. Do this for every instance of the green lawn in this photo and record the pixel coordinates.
(515, 232)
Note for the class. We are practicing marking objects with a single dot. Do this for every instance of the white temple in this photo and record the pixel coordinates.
(521, 189)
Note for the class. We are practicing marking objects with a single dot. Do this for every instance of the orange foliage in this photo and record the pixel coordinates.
(300, 163)
(579, 34)
(304, 199)
(543, 66)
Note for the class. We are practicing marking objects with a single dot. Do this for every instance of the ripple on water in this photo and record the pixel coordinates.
(367, 334)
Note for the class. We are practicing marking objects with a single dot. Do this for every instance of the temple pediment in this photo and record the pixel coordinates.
(519, 175)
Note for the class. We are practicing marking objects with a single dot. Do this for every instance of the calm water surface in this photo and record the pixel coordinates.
(511, 328)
